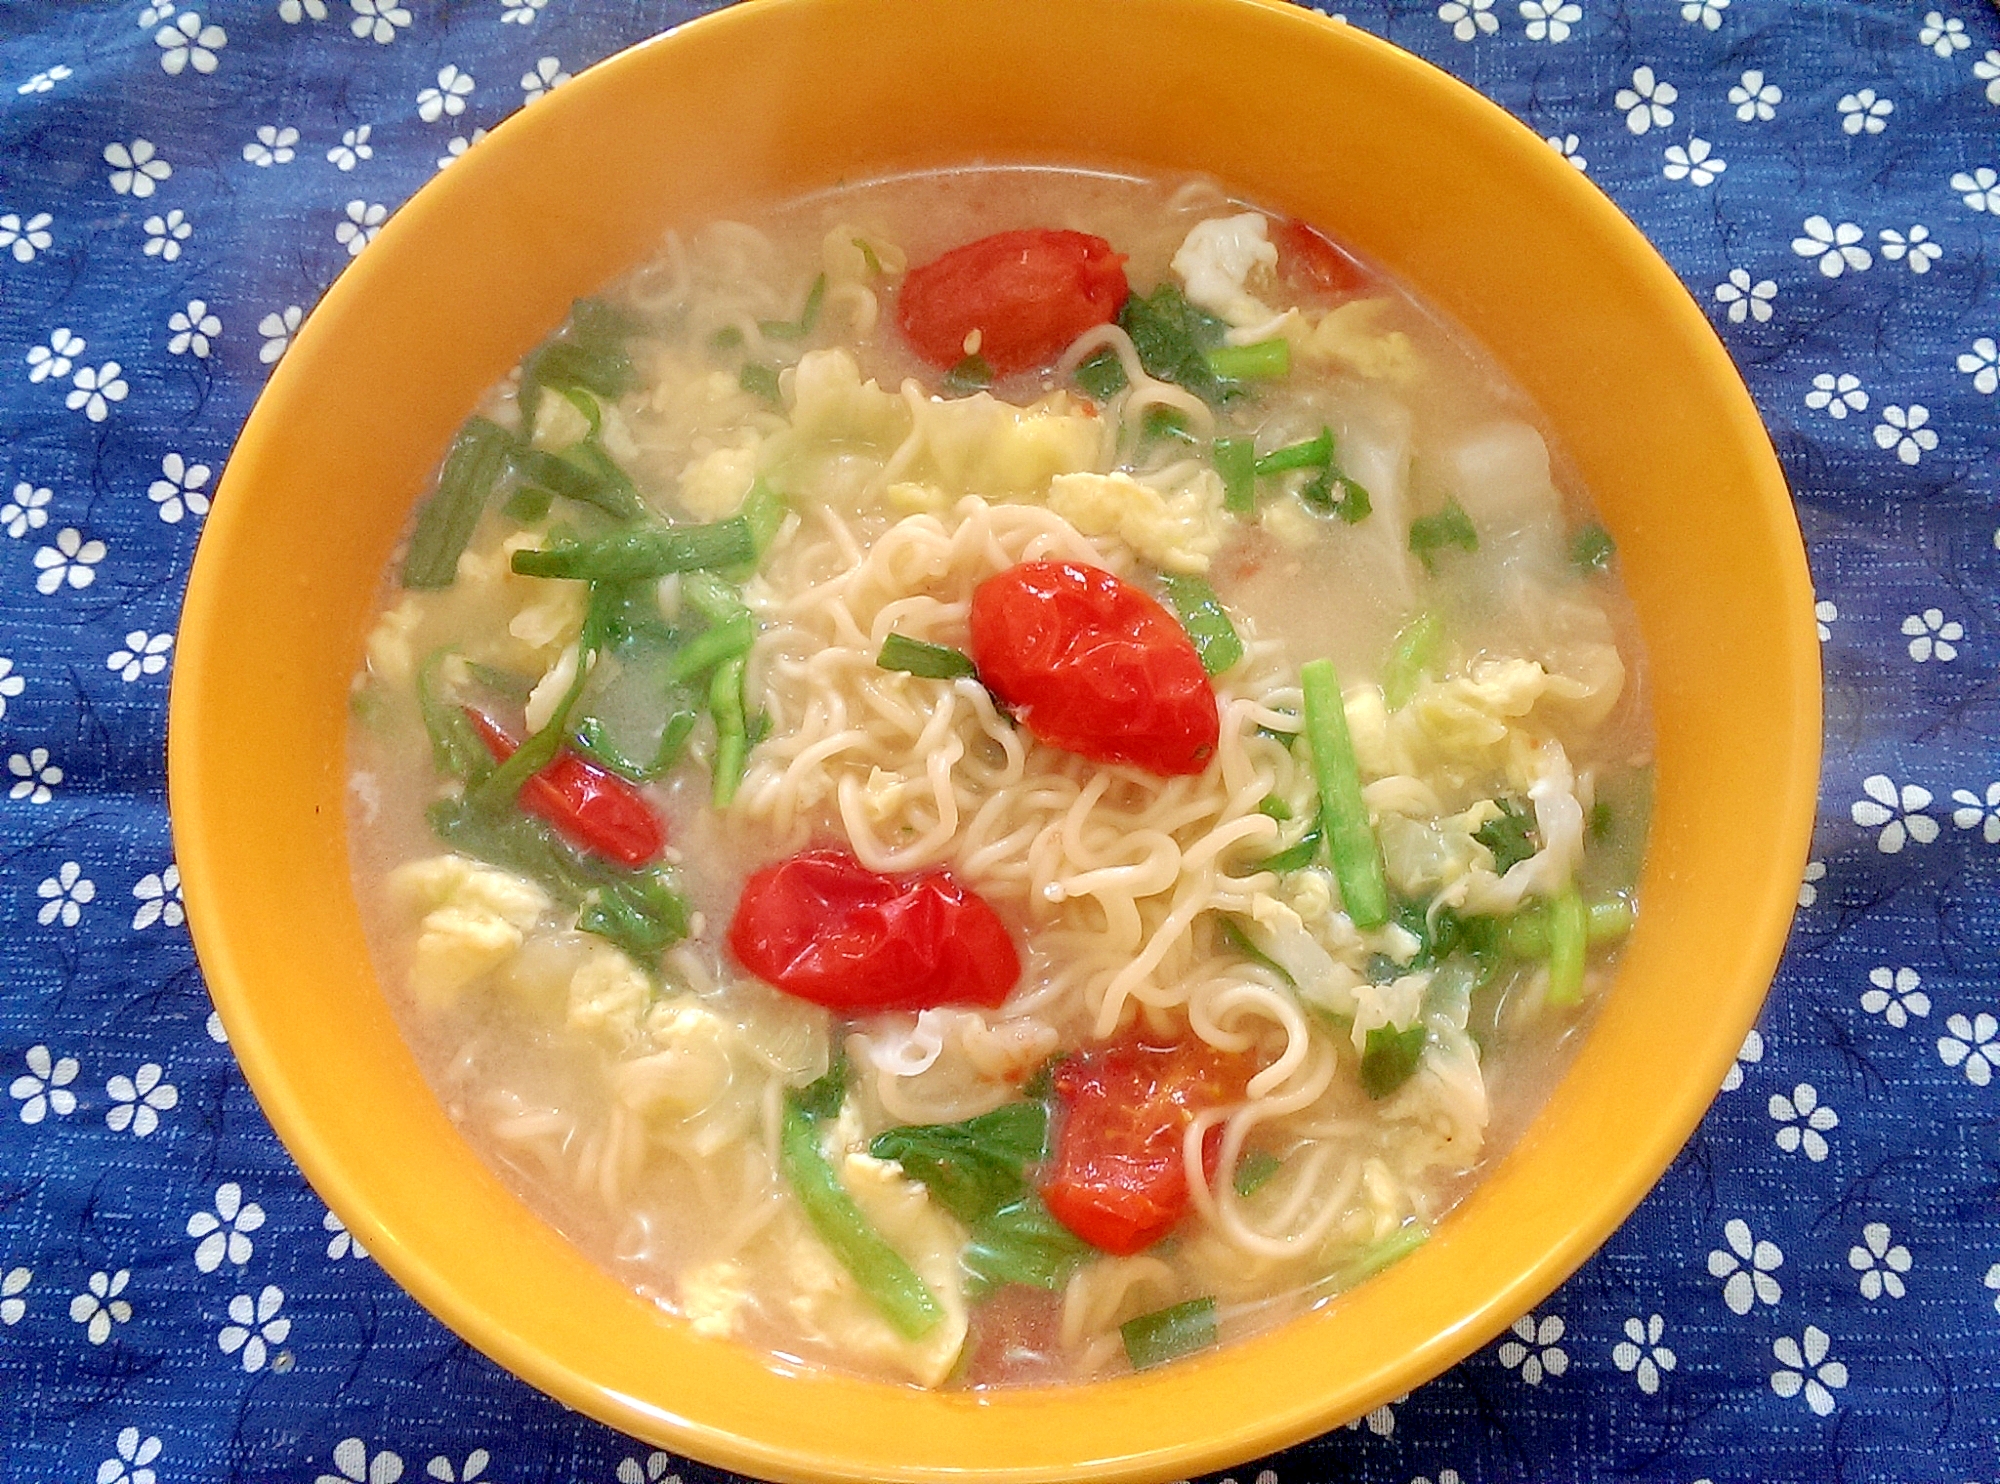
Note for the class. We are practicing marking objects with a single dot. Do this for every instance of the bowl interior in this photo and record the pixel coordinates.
(788, 95)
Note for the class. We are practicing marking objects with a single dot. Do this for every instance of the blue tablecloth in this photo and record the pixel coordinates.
(1812, 1293)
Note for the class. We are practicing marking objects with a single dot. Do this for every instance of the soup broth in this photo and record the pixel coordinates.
(742, 541)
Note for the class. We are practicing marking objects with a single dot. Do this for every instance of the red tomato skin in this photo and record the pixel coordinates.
(1093, 665)
(1118, 1179)
(823, 927)
(1029, 294)
(592, 808)
(1312, 262)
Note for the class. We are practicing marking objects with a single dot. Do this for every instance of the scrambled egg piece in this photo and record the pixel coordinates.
(607, 995)
(832, 404)
(389, 641)
(1179, 532)
(475, 917)
(559, 423)
(981, 445)
(1350, 336)
(690, 1065)
(713, 1296)
(713, 485)
(1216, 259)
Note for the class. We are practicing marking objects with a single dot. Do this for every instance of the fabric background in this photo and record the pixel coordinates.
(1812, 1293)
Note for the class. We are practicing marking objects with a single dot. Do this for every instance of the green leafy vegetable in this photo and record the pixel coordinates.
(455, 746)
(1391, 1058)
(1355, 853)
(1275, 807)
(1206, 621)
(1173, 338)
(1393, 1248)
(973, 373)
(1591, 548)
(1353, 504)
(761, 380)
(1413, 655)
(1235, 938)
(1102, 376)
(1254, 1171)
(1020, 1243)
(473, 466)
(732, 736)
(1236, 461)
(1450, 526)
(643, 552)
(1314, 453)
(920, 658)
(1168, 1334)
(1165, 422)
(821, 1098)
(1511, 837)
(719, 642)
(1262, 361)
(588, 739)
(1296, 856)
(975, 1167)
(798, 329)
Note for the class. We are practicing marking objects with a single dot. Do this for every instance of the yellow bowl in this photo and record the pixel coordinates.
(779, 97)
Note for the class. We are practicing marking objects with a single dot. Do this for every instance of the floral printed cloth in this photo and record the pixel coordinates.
(1813, 1292)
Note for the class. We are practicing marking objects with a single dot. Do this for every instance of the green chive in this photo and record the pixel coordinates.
(1259, 362)
(643, 552)
(711, 647)
(1168, 1334)
(1314, 453)
(1413, 655)
(1204, 618)
(1236, 461)
(761, 380)
(478, 455)
(1254, 1171)
(928, 661)
(1355, 853)
(1450, 526)
(1569, 927)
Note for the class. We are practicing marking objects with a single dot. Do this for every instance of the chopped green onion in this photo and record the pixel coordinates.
(585, 401)
(1352, 848)
(1511, 837)
(972, 373)
(798, 329)
(1301, 853)
(643, 552)
(1236, 461)
(1165, 422)
(1393, 1248)
(729, 337)
(528, 504)
(764, 510)
(585, 474)
(1592, 548)
(1168, 1334)
(1254, 1171)
(1353, 504)
(673, 739)
(1205, 620)
(868, 256)
(712, 646)
(1314, 453)
(1102, 376)
(1234, 937)
(761, 380)
(890, 1283)
(922, 659)
(455, 746)
(1450, 526)
(471, 469)
(1413, 655)
(732, 737)
(1276, 807)
(1391, 1058)
(711, 597)
(1569, 928)
(1262, 361)
(1610, 918)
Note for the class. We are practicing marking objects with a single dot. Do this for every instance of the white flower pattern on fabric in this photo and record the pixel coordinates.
(1982, 364)
(13, 1308)
(1806, 1367)
(1696, 163)
(1536, 1350)
(65, 895)
(141, 654)
(1836, 247)
(1756, 100)
(460, 143)
(154, 13)
(522, 12)
(1706, 14)
(217, 1031)
(102, 1305)
(1987, 70)
(342, 1242)
(26, 238)
(1897, 812)
(44, 1088)
(1550, 20)
(35, 777)
(1972, 1044)
(350, 1457)
(1802, 1121)
(179, 490)
(193, 330)
(378, 20)
(133, 1463)
(1904, 430)
(27, 511)
(138, 1101)
(1895, 995)
(364, 220)
(11, 685)
(277, 328)
(442, 1469)
(136, 168)
(1749, 1054)
(1836, 396)
(272, 146)
(1978, 189)
(1469, 19)
(189, 43)
(1943, 35)
(1880, 1263)
(94, 388)
(1746, 1266)
(291, 12)
(1933, 636)
(159, 897)
(1993, 1282)
(43, 82)
(1644, 103)
(548, 76)
(1746, 299)
(223, 1230)
(72, 560)
(1970, 814)
(256, 1328)
(447, 99)
(52, 361)
(165, 234)
(353, 148)
(1825, 614)
(1865, 112)
(1917, 246)
(1642, 1353)
(654, 1469)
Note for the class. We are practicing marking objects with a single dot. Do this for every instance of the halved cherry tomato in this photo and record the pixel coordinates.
(591, 808)
(1091, 664)
(1028, 294)
(1118, 1179)
(825, 928)
(1312, 262)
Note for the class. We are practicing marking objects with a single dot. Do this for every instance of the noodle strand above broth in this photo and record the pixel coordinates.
(854, 810)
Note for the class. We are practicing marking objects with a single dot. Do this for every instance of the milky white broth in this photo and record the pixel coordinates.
(637, 1106)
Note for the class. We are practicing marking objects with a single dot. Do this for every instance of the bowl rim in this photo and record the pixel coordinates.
(1222, 1441)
